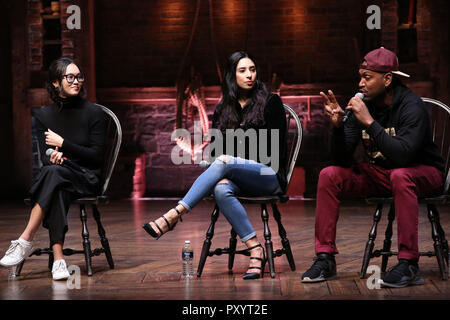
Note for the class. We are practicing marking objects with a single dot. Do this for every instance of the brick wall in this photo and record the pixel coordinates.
(310, 44)
(6, 135)
(141, 43)
(68, 37)
(301, 41)
(35, 34)
(75, 42)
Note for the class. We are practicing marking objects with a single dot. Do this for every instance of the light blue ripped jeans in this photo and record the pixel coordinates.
(245, 177)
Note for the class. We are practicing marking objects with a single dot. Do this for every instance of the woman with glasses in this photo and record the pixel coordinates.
(246, 106)
(71, 129)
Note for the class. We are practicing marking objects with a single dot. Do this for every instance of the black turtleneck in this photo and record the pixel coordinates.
(82, 126)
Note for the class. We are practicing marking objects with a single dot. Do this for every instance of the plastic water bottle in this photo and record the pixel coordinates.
(187, 255)
(12, 273)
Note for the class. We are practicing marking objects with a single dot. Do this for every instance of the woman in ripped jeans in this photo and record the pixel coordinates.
(246, 105)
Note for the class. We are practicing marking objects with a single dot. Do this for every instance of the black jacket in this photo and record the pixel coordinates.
(399, 137)
(274, 118)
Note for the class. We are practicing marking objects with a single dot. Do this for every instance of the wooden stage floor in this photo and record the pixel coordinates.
(150, 269)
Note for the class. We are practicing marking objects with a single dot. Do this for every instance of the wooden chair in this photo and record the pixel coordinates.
(294, 140)
(114, 140)
(440, 126)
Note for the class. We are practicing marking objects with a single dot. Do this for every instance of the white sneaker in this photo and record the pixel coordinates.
(59, 270)
(18, 251)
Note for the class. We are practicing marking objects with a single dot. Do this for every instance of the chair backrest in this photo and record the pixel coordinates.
(294, 141)
(440, 130)
(114, 140)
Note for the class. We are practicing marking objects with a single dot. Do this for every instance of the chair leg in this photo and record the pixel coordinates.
(284, 239)
(103, 239)
(232, 253)
(19, 268)
(445, 248)
(268, 237)
(444, 241)
(51, 259)
(86, 242)
(388, 236)
(433, 216)
(370, 243)
(207, 242)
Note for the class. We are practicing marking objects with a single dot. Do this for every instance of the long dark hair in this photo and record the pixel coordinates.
(56, 71)
(226, 108)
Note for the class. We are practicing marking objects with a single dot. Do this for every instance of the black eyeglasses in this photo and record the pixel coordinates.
(70, 78)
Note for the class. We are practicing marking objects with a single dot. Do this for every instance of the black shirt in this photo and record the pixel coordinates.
(399, 137)
(82, 126)
(274, 118)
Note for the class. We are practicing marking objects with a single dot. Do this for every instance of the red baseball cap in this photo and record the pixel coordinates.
(382, 60)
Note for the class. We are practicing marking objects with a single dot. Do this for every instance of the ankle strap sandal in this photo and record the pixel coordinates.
(147, 227)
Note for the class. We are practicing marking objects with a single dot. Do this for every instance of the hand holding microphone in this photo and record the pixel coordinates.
(87, 174)
(357, 106)
(56, 156)
(348, 111)
(58, 159)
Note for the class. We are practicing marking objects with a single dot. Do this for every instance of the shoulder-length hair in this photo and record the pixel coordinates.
(56, 71)
(226, 108)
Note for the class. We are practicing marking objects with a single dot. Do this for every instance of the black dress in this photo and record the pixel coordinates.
(82, 126)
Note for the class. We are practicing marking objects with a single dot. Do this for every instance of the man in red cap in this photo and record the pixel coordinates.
(393, 124)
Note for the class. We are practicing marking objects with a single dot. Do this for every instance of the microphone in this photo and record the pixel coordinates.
(349, 112)
(49, 152)
(69, 163)
(204, 164)
(87, 174)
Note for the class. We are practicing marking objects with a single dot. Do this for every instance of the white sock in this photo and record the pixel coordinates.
(25, 242)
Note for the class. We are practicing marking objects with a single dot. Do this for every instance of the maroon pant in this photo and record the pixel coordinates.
(365, 179)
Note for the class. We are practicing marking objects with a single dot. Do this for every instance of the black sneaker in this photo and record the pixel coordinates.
(405, 273)
(323, 268)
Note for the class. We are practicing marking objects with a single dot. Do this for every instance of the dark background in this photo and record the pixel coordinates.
(134, 51)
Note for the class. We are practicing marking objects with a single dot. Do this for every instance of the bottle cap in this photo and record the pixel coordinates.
(187, 241)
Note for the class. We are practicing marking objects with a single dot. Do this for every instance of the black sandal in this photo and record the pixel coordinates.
(147, 227)
(256, 275)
